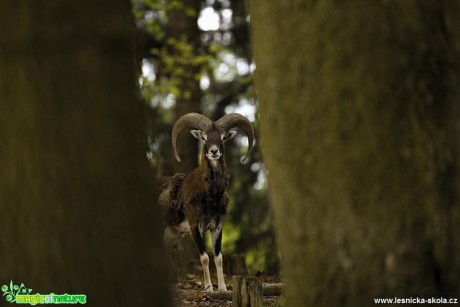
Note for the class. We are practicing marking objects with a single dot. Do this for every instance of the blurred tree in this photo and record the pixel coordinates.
(359, 121)
(77, 200)
(185, 43)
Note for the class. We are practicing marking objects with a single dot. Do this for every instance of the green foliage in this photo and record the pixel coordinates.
(176, 60)
(180, 62)
(161, 9)
(169, 5)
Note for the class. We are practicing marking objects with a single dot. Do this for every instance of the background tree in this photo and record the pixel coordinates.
(359, 121)
(77, 198)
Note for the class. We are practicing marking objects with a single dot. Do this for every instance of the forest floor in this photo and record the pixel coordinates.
(199, 298)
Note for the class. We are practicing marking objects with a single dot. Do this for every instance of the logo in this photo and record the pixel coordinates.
(20, 294)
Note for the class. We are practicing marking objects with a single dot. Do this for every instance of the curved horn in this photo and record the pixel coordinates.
(235, 120)
(189, 120)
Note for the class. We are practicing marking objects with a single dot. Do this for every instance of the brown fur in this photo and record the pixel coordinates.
(200, 196)
(171, 209)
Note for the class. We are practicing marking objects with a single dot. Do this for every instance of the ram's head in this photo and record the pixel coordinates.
(213, 134)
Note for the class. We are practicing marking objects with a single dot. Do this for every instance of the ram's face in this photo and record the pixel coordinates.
(213, 141)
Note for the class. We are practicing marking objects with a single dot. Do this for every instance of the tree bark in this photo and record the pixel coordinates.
(251, 293)
(359, 126)
(189, 99)
(78, 205)
(184, 26)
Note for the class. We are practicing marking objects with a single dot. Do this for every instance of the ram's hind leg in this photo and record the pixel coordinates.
(197, 235)
(218, 259)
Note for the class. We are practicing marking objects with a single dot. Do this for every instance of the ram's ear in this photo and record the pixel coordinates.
(228, 135)
(198, 134)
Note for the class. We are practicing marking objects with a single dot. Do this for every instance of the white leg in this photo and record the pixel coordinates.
(197, 236)
(218, 259)
(220, 273)
(207, 277)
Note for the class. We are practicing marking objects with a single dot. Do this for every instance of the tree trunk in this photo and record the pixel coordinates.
(185, 26)
(359, 126)
(77, 200)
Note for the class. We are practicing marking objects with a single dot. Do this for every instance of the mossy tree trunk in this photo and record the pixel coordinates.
(359, 116)
(78, 208)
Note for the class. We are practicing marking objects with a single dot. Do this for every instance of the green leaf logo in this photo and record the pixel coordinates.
(12, 290)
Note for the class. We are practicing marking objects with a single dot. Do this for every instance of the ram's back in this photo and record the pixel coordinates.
(172, 209)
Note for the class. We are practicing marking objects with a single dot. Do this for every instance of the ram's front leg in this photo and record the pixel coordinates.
(218, 259)
(197, 236)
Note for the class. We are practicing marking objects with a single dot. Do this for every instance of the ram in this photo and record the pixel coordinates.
(197, 202)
